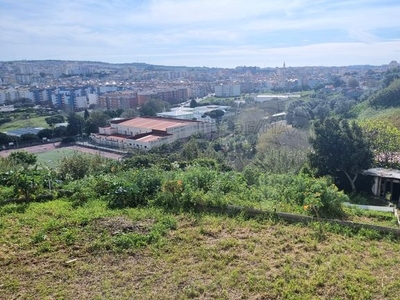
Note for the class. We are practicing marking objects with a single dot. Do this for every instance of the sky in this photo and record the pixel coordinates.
(211, 33)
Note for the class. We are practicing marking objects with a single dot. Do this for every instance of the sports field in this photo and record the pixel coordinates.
(52, 157)
(51, 153)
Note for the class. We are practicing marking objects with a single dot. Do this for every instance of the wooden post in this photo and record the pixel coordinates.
(384, 187)
(391, 190)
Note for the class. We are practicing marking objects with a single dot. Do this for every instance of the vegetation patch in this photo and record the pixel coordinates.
(121, 224)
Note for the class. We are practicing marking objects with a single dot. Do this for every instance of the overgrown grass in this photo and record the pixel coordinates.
(387, 219)
(58, 250)
(366, 112)
(31, 122)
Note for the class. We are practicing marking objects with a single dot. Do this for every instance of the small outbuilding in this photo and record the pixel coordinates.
(386, 183)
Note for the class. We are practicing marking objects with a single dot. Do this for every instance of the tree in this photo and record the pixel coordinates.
(282, 149)
(353, 83)
(76, 124)
(22, 157)
(193, 103)
(51, 121)
(60, 131)
(387, 97)
(153, 106)
(340, 146)
(29, 137)
(385, 140)
(215, 114)
(97, 119)
(4, 138)
(45, 133)
(86, 114)
(129, 113)
(112, 113)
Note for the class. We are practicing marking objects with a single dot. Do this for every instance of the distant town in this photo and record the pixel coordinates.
(76, 86)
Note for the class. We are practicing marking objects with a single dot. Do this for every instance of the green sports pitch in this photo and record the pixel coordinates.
(52, 158)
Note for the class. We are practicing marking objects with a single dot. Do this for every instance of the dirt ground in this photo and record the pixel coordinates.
(53, 146)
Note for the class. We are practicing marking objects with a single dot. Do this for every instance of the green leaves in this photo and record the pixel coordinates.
(339, 146)
(387, 97)
(385, 141)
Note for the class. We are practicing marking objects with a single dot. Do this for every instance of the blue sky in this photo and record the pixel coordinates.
(212, 33)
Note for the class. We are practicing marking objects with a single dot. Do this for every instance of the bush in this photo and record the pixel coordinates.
(68, 140)
(22, 157)
(133, 189)
(317, 196)
(184, 190)
(80, 165)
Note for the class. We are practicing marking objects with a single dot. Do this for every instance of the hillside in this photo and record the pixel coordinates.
(60, 250)
(392, 115)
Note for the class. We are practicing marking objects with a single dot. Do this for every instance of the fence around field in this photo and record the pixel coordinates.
(97, 147)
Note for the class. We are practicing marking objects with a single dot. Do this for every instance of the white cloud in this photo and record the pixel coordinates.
(181, 29)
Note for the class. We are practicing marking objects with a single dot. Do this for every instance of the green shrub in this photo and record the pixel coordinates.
(132, 189)
(316, 196)
(184, 190)
(79, 165)
(68, 140)
(251, 174)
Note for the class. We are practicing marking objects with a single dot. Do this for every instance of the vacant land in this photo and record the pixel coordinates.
(22, 123)
(66, 249)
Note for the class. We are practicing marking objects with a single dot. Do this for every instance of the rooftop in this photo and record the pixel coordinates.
(154, 123)
(384, 173)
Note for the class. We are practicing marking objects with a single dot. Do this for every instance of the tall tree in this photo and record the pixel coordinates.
(193, 103)
(4, 138)
(387, 97)
(340, 146)
(353, 83)
(153, 106)
(86, 114)
(76, 124)
(52, 120)
(385, 140)
(97, 119)
(129, 113)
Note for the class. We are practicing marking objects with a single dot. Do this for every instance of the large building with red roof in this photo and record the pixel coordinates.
(146, 133)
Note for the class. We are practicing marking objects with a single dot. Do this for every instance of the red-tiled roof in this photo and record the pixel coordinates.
(154, 123)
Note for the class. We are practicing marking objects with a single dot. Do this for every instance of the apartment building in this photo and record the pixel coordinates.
(227, 90)
(116, 100)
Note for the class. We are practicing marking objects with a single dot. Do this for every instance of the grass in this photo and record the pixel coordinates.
(365, 112)
(392, 115)
(31, 122)
(61, 249)
(52, 157)
(379, 218)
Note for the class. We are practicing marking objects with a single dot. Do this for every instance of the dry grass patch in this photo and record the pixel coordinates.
(204, 257)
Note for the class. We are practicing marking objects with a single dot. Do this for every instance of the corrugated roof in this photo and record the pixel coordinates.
(154, 123)
(384, 173)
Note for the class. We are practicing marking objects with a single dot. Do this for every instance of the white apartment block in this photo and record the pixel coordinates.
(227, 90)
(81, 102)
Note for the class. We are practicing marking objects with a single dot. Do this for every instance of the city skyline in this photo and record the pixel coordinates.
(227, 33)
